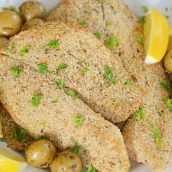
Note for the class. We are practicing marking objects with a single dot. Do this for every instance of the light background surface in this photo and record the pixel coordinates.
(136, 6)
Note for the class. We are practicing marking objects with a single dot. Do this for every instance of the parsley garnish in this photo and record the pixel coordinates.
(11, 48)
(61, 66)
(156, 132)
(78, 121)
(140, 39)
(165, 85)
(24, 50)
(15, 71)
(101, 2)
(76, 148)
(91, 169)
(108, 75)
(168, 102)
(111, 42)
(36, 99)
(71, 93)
(10, 8)
(60, 84)
(42, 68)
(55, 101)
(85, 70)
(140, 114)
(41, 137)
(128, 83)
(98, 35)
(145, 9)
(142, 19)
(54, 44)
(19, 134)
(160, 112)
(83, 22)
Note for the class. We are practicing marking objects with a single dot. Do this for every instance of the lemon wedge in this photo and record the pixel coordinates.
(156, 36)
(11, 162)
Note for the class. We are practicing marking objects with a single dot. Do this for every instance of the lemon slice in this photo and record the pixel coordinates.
(156, 36)
(11, 162)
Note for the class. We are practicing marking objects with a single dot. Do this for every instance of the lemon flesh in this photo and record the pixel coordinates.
(156, 36)
(10, 162)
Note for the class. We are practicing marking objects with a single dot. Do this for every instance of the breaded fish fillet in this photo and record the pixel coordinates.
(60, 117)
(148, 134)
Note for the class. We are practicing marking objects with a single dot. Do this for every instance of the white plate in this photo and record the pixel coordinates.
(136, 6)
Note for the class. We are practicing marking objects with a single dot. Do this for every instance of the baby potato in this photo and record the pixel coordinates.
(32, 9)
(168, 61)
(32, 23)
(3, 41)
(66, 162)
(10, 23)
(40, 153)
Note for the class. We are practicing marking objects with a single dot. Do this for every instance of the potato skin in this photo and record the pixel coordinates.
(168, 61)
(66, 162)
(32, 9)
(40, 153)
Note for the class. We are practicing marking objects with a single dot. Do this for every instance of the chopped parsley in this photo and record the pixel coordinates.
(36, 99)
(142, 19)
(11, 48)
(85, 70)
(41, 137)
(54, 44)
(42, 68)
(128, 83)
(98, 35)
(140, 39)
(10, 8)
(108, 75)
(71, 93)
(101, 2)
(160, 111)
(90, 169)
(19, 134)
(15, 71)
(165, 85)
(83, 22)
(60, 67)
(78, 121)
(76, 147)
(111, 42)
(156, 133)
(60, 84)
(55, 101)
(140, 114)
(145, 9)
(168, 102)
(24, 50)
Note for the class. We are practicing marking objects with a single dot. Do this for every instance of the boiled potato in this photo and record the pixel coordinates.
(168, 61)
(32, 9)
(32, 23)
(66, 162)
(3, 41)
(40, 153)
(10, 23)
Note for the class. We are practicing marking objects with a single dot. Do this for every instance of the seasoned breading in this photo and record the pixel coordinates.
(112, 17)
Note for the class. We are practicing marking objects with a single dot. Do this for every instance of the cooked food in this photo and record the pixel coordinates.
(3, 41)
(148, 133)
(32, 9)
(168, 61)
(40, 153)
(66, 162)
(43, 109)
(16, 137)
(10, 23)
(33, 23)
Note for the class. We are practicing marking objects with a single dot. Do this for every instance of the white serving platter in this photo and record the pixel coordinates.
(136, 6)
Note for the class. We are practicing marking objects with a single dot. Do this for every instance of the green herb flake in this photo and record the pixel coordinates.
(61, 67)
(140, 114)
(101, 2)
(145, 9)
(111, 42)
(42, 68)
(85, 70)
(15, 71)
(41, 137)
(71, 93)
(36, 99)
(54, 44)
(78, 121)
(159, 111)
(24, 50)
(76, 147)
(165, 85)
(83, 22)
(142, 19)
(98, 35)
(108, 75)
(91, 169)
(156, 133)
(168, 102)
(128, 83)
(60, 84)
(19, 134)
(140, 40)
(55, 101)
(10, 8)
